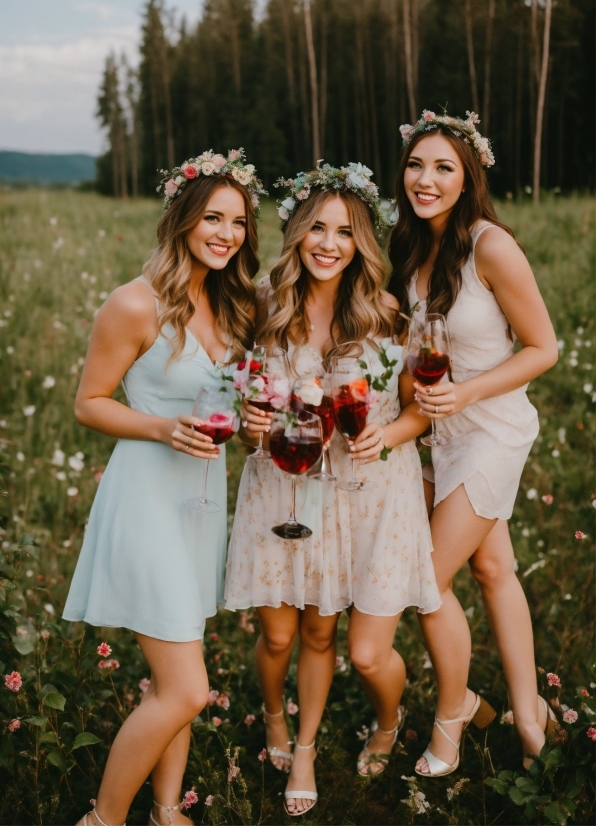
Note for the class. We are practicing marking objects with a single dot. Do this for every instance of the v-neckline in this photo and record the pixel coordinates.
(420, 300)
(215, 364)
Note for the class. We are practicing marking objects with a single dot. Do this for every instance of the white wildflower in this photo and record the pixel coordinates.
(587, 388)
(75, 463)
(61, 476)
(58, 457)
(20, 456)
(533, 493)
(561, 435)
(10, 350)
(48, 382)
(72, 491)
(29, 410)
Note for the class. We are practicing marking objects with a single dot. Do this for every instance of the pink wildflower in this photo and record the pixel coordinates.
(98, 476)
(216, 721)
(570, 716)
(548, 498)
(291, 707)
(263, 752)
(13, 681)
(111, 665)
(233, 154)
(170, 188)
(14, 725)
(584, 693)
(212, 699)
(233, 772)
(249, 719)
(190, 798)
(214, 637)
(209, 800)
(411, 734)
(507, 718)
(553, 679)
(104, 650)
(591, 732)
(223, 701)
(93, 802)
(144, 684)
(581, 535)
(405, 130)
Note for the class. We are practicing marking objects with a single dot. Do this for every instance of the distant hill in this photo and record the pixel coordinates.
(46, 170)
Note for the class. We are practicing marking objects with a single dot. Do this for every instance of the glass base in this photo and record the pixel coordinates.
(322, 476)
(292, 530)
(435, 440)
(260, 454)
(355, 486)
(202, 505)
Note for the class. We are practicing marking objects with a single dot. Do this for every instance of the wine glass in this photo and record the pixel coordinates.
(429, 357)
(215, 409)
(314, 394)
(350, 407)
(268, 384)
(296, 444)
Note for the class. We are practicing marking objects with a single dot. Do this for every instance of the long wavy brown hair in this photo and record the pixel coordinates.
(360, 311)
(231, 291)
(410, 241)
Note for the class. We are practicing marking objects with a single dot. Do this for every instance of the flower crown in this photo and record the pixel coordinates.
(174, 181)
(465, 129)
(355, 177)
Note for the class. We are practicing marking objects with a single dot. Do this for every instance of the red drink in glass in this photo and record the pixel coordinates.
(430, 366)
(350, 413)
(323, 410)
(218, 427)
(293, 456)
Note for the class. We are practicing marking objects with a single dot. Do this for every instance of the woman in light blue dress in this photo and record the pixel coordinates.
(147, 562)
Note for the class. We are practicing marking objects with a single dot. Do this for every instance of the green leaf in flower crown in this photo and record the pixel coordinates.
(85, 738)
(55, 700)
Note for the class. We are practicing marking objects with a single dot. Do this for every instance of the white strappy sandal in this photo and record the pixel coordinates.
(275, 753)
(167, 809)
(300, 795)
(96, 816)
(381, 758)
(482, 716)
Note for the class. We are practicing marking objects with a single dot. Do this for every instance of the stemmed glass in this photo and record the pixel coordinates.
(268, 384)
(215, 409)
(350, 407)
(314, 394)
(296, 443)
(429, 357)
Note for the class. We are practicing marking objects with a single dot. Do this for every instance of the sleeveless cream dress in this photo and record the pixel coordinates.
(371, 549)
(491, 439)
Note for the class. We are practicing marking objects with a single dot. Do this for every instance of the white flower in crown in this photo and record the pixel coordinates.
(465, 129)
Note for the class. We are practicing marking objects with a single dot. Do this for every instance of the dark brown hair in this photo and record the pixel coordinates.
(410, 240)
(231, 291)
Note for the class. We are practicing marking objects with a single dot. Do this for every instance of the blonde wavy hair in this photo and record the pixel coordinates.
(360, 311)
(231, 291)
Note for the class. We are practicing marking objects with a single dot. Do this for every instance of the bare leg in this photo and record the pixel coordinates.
(279, 629)
(382, 673)
(457, 532)
(509, 617)
(316, 666)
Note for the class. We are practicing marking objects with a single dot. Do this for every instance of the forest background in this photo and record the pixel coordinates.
(334, 79)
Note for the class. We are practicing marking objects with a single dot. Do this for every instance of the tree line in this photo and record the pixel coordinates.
(334, 79)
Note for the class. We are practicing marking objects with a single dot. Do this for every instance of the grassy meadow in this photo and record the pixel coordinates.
(61, 253)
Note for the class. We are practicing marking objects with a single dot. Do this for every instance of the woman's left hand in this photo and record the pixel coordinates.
(368, 446)
(441, 400)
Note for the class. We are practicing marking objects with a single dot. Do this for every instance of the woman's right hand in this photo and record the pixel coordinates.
(179, 434)
(257, 421)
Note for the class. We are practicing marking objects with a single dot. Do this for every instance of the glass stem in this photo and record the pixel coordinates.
(433, 433)
(292, 519)
(203, 496)
(354, 470)
(260, 447)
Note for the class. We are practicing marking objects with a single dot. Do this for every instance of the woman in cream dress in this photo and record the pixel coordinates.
(370, 549)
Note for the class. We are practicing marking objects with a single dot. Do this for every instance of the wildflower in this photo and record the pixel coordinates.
(72, 492)
(13, 681)
(190, 798)
(45, 634)
(584, 693)
(363, 733)
(411, 734)
(553, 679)
(104, 650)
(29, 410)
(548, 498)
(111, 665)
(263, 752)
(581, 535)
(591, 732)
(144, 684)
(532, 493)
(20, 457)
(570, 716)
(61, 476)
(98, 476)
(216, 721)
(417, 802)
(507, 717)
(101, 233)
(214, 637)
(76, 462)
(14, 725)
(340, 663)
(291, 707)
(58, 457)
(233, 772)
(209, 800)
(93, 802)
(212, 698)
(223, 701)
(249, 719)
(49, 609)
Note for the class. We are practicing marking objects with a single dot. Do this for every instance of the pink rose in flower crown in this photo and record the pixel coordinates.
(218, 161)
(190, 170)
(428, 115)
(170, 188)
(405, 130)
(13, 681)
(233, 154)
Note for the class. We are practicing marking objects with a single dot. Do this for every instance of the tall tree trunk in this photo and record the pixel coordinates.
(414, 6)
(371, 95)
(165, 77)
(409, 55)
(471, 60)
(304, 107)
(487, 65)
(518, 110)
(324, 60)
(314, 86)
(361, 97)
(540, 104)
(235, 42)
(391, 75)
(289, 58)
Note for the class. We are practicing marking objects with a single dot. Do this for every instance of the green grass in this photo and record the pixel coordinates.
(60, 254)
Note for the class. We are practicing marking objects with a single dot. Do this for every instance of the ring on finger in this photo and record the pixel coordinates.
(430, 391)
(187, 448)
(244, 422)
(436, 408)
(377, 440)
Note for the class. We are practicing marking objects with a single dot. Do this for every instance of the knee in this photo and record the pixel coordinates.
(192, 701)
(367, 658)
(491, 572)
(319, 640)
(279, 642)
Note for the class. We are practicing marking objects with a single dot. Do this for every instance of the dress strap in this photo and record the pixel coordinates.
(478, 229)
(148, 284)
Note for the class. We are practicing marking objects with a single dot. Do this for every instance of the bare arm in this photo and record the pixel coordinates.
(503, 268)
(124, 329)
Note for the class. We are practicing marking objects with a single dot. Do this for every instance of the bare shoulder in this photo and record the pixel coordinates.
(130, 309)
(494, 244)
(389, 300)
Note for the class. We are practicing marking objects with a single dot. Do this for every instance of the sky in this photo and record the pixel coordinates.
(52, 55)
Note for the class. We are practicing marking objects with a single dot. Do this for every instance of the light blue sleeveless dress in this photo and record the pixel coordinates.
(147, 562)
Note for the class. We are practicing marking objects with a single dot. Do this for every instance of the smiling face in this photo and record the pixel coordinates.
(221, 230)
(434, 178)
(329, 246)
